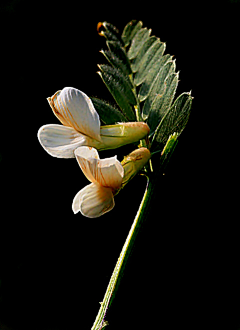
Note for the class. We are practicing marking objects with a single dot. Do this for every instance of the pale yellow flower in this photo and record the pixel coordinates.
(107, 177)
(81, 126)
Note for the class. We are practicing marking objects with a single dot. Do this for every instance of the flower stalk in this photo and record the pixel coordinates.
(141, 215)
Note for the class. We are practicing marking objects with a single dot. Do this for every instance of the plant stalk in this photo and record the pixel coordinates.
(125, 253)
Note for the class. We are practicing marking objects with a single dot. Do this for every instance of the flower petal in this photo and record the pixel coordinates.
(87, 158)
(107, 172)
(110, 173)
(75, 109)
(60, 141)
(93, 201)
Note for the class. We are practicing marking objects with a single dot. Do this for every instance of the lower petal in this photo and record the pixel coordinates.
(60, 141)
(93, 201)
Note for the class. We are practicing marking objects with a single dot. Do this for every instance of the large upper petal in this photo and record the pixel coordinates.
(75, 109)
(93, 201)
(60, 141)
(107, 172)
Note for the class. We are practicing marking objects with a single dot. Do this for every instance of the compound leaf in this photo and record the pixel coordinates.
(142, 78)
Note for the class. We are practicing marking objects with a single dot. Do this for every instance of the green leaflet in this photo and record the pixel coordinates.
(130, 31)
(138, 41)
(116, 62)
(151, 58)
(151, 76)
(162, 102)
(174, 120)
(109, 115)
(139, 59)
(122, 80)
(121, 56)
(121, 89)
(157, 87)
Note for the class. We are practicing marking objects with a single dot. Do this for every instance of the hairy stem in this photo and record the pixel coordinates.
(116, 275)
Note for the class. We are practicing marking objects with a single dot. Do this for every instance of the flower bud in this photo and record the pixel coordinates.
(134, 162)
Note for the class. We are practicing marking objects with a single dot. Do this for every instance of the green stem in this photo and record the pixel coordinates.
(137, 106)
(140, 216)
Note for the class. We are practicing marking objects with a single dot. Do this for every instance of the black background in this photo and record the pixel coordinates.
(55, 266)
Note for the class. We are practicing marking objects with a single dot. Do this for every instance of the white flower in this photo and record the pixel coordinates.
(81, 126)
(106, 177)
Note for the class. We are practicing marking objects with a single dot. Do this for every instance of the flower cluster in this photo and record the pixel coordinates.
(80, 136)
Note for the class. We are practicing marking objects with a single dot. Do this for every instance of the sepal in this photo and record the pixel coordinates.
(134, 162)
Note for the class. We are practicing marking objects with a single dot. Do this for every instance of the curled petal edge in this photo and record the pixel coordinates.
(93, 201)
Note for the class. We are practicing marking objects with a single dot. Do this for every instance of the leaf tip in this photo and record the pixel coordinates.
(99, 66)
(190, 94)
